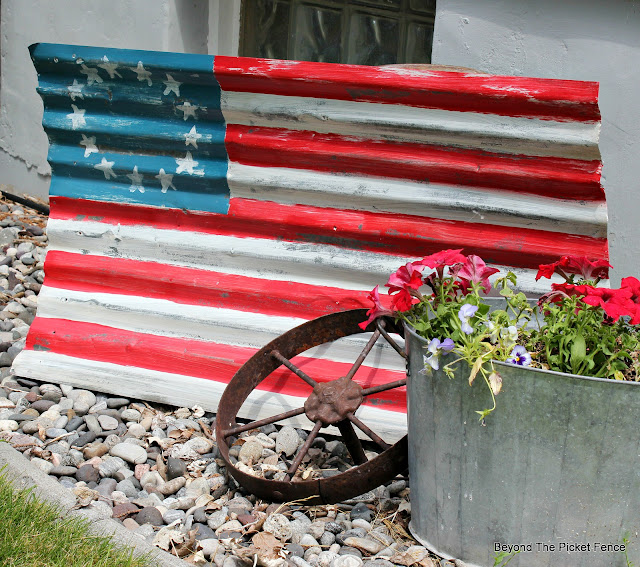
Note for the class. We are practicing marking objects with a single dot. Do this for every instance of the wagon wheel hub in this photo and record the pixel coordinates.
(331, 402)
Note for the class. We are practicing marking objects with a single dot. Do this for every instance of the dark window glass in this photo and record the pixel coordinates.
(365, 32)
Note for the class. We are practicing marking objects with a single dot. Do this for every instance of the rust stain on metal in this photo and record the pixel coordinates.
(331, 402)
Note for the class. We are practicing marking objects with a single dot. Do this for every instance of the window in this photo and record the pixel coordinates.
(363, 32)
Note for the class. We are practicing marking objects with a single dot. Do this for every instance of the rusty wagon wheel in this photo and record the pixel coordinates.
(332, 402)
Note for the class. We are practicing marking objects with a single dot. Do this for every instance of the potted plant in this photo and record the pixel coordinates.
(552, 474)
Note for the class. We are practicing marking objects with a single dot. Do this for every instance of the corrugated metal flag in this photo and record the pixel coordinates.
(201, 206)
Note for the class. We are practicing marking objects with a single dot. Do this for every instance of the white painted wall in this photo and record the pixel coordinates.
(189, 26)
(595, 40)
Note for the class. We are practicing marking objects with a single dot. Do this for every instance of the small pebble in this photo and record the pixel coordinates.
(287, 441)
(175, 468)
(87, 473)
(107, 422)
(63, 471)
(279, 525)
(149, 515)
(129, 452)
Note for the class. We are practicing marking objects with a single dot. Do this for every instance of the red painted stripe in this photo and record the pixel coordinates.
(99, 274)
(210, 361)
(492, 94)
(545, 176)
(385, 233)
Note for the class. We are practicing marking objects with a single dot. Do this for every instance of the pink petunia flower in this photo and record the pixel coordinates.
(403, 286)
(443, 258)
(474, 270)
(378, 310)
(588, 270)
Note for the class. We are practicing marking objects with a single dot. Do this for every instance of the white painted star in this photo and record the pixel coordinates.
(166, 180)
(192, 138)
(172, 85)
(189, 109)
(75, 90)
(106, 167)
(188, 164)
(77, 118)
(92, 74)
(110, 68)
(89, 145)
(143, 74)
(136, 180)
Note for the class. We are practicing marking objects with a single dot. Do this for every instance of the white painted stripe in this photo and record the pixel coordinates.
(314, 264)
(223, 326)
(361, 193)
(167, 388)
(491, 132)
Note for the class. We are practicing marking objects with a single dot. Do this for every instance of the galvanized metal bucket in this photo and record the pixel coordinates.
(555, 469)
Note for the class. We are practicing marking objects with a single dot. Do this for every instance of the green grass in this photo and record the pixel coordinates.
(32, 534)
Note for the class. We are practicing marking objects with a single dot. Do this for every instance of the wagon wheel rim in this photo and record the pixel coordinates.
(366, 474)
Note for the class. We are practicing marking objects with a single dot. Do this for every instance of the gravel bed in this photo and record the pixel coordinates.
(157, 468)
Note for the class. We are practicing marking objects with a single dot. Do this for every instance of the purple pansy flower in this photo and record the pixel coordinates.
(466, 312)
(519, 356)
(436, 348)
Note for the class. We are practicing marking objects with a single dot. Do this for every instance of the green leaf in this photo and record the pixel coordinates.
(578, 350)
(484, 413)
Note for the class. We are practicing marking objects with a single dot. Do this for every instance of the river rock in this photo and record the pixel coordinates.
(279, 525)
(172, 515)
(210, 546)
(136, 430)
(107, 422)
(367, 545)
(149, 515)
(117, 402)
(8, 425)
(130, 414)
(218, 518)
(88, 473)
(42, 405)
(361, 511)
(287, 441)
(63, 470)
(175, 468)
(95, 450)
(171, 486)
(250, 452)
(110, 466)
(130, 453)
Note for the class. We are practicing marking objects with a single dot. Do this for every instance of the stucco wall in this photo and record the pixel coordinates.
(190, 26)
(596, 40)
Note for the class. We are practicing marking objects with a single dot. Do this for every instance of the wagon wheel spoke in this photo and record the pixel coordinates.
(352, 442)
(303, 450)
(368, 432)
(387, 336)
(365, 351)
(286, 362)
(384, 387)
(261, 422)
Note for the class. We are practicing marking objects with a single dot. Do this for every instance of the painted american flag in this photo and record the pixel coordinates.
(202, 206)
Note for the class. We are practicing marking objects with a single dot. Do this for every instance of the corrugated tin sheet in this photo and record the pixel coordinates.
(201, 206)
